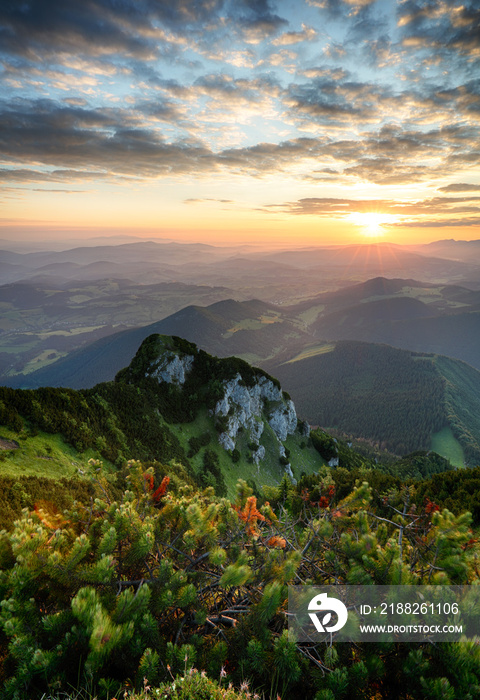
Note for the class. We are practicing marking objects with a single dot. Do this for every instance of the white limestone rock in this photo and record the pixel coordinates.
(244, 406)
(289, 472)
(283, 420)
(259, 454)
(173, 369)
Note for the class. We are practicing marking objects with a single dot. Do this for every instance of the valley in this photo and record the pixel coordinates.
(78, 334)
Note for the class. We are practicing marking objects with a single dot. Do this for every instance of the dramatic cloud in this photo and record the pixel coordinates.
(460, 187)
(331, 94)
(307, 34)
(437, 211)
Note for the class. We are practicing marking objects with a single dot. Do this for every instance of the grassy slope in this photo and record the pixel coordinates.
(462, 399)
(446, 444)
(48, 455)
(42, 455)
(269, 471)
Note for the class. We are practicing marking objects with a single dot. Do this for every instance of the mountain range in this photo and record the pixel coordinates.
(441, 319)
(305, 327)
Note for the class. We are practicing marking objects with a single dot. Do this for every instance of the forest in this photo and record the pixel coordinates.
(148, 575)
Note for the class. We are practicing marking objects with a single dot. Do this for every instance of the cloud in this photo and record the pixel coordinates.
(341, 7)
(80, 34)
(441, 223)
(28, 175)
(460, 187)
(437, 211)
(447, 27)
(220, 86)
(108, 140)
(288, 38)
(193, 200)
(42, 27)
(257, 19)
(327, 101)
(147, 142)
(162, 110)
(326, 206)
(116, 143)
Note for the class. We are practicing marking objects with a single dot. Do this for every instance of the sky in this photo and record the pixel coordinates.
(279, 121)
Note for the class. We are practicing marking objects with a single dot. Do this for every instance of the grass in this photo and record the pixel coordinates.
(445, 444)
(253, 324)
(42, 455)
(312, 351)
(66, 333)
(191, 685)
(303, 457)
(462, 400)
(269, 472)
(42, 360)
(310, 315)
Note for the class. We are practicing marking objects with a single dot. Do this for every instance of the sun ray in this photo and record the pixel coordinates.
(372, 223)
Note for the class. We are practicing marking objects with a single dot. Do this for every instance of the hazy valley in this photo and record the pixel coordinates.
(59, 331)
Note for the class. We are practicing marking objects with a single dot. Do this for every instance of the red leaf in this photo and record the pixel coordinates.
(161, 489)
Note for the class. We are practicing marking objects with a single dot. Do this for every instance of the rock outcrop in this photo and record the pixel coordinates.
(172, 368)
(246, 399)
(244, 405)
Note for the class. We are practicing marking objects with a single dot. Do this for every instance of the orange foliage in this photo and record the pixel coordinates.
(250, 515)
(49, 515)
(276, 542)
(323, 502)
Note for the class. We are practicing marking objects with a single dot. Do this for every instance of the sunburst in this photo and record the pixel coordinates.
(372, 223)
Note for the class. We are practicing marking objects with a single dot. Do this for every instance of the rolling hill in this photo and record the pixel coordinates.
(411, 315)
(398, 399)
(331, 384)
(253, 330)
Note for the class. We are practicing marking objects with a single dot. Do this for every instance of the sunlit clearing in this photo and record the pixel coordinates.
(372, 223)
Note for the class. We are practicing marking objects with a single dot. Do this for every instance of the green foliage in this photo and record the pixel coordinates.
(26, 491)
(420, 465)
(211, 474)
(193, 685)
(110, 583)
(393, 397)
(462, 403)
(196, 443)
(324, 444)
(154, 580)
(202, 386)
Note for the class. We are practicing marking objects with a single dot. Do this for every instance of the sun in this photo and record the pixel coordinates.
(372, 223)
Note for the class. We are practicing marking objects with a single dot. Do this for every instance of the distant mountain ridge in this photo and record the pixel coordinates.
(399, 399)
(296, 342)
(217, 328)
(407, 314)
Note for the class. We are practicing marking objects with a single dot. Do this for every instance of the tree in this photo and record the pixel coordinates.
(129, 587)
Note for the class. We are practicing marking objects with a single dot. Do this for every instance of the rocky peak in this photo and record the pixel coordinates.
(172, 368)
(239, 397)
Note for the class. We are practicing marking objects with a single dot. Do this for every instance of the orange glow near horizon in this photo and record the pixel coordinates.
(263, 123)
(159, 210)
